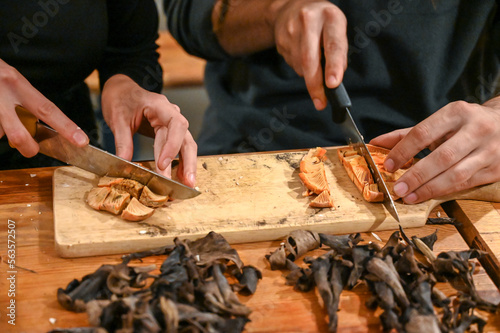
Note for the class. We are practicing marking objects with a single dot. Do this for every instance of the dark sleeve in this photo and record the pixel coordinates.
(189, 21)
(131, 47)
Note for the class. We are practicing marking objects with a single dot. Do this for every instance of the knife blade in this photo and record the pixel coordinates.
(98, 161)
(340, 104)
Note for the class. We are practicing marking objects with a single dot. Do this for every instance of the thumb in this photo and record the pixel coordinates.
(124, 143)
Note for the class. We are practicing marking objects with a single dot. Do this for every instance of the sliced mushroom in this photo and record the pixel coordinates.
(323, 200)
(136, 211)
(116, 201)
(107, 181)
(96, 197)
(133, 187)
(151, 199)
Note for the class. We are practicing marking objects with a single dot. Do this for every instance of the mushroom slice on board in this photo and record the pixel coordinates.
(136, 211)
(151, 199)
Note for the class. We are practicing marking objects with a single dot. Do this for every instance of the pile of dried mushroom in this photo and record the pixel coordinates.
(191, 293)
(401, 275)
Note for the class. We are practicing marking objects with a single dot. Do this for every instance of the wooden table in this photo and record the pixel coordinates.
(26, 207)
(180, 69)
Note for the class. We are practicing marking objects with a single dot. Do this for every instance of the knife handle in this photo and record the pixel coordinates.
(28, 119)
(339, 101)
(338, 97)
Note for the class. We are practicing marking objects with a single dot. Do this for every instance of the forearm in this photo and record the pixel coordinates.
(245, 26)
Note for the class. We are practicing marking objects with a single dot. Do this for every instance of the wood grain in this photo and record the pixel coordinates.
(276, 307)
(246, 198)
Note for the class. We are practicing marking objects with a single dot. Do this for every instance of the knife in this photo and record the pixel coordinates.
(340, 103)
(98, 161)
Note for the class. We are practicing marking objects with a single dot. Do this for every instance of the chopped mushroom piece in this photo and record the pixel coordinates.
(247, 279)
(131, 186)
(359, 172)
(315, 181)
(136, 211)
(96, 197)
(116, 201)
(324, 200)
(107, 181)
(151, 199)
(113, 194)
(313, 176)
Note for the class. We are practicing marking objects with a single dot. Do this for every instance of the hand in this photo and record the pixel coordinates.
(464, 141)
(302, 28)
(16, 90)
(128, 108)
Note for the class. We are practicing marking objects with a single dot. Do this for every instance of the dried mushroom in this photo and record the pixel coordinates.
(402, 285)
(297, 243)
(191, 293)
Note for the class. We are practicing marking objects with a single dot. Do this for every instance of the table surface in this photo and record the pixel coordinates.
(26, 202)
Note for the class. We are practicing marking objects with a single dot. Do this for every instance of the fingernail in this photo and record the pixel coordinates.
(389, 165)
(165, 163)
(318, 104)
(191, 179)
(331, 81)
(400, 189)
(410, 198)
(80, 137)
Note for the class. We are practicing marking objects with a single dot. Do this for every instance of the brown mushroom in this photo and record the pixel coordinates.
(96, 197)
(116, 201)
(151, 199)
(133, 187)
(135, 211)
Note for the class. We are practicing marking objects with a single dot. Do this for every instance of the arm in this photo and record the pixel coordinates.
(131, 77)
(299, 29)
(16, 90)
(463, 138)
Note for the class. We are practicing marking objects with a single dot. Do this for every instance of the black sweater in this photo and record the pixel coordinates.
(56, 44)
(407, 59)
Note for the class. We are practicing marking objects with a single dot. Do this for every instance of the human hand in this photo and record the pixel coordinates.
(16, 90)
(302, 28)
(463, 138)
(128, 108)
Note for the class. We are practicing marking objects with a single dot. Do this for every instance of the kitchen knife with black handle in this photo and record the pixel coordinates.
(341, 103)
(98, 161)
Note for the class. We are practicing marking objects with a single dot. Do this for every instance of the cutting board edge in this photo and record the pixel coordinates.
(87, 249)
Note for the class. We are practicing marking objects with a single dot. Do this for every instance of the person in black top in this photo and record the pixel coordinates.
(419, 73)
(48, 48)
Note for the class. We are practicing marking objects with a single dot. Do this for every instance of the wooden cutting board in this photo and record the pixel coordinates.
(245, 197)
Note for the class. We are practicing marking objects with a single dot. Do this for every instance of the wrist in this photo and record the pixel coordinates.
(273, 9)
(493, 103)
